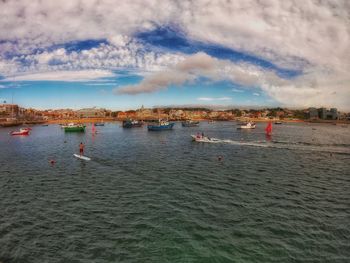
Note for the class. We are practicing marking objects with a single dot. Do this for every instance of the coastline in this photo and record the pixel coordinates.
(111, 120)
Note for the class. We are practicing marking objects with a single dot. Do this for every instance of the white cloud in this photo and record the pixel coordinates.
(82, 75)
(106, 56)
(101, 84)
(310, 35)
(256, 94)
(214, 99)
(237, 90)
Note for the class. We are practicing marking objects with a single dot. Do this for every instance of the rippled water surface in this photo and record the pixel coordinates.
(159, 197)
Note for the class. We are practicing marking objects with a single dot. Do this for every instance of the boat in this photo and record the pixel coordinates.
(190, 123)
(200, 138)
(22, 131)
(129, 123)
(71, 127)
(278, 122)
(249, 125)
(161, 126)
(99, 124)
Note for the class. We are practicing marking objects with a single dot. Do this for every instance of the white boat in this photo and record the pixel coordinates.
(249, 125)
(68, 125)
(199, 138)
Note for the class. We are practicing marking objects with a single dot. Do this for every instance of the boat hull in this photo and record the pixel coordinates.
(127, 124)
(74, 129)
(20, 133)
(190, 124)
(195, 138)
(246, 128)
(161, 127)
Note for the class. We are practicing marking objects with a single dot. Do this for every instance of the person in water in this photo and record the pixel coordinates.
(81, 148)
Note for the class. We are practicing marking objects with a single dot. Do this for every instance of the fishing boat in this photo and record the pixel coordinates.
(249, 125)
(200, 138)
(99, 124)
(129, 123)
(22, 131)
(190, 123)
(161, 125)
(71, 127)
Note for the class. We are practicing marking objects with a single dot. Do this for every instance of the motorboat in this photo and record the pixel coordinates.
(132, 123)
(249, 125)
(22, 131)
(200, 138)
(99, 124)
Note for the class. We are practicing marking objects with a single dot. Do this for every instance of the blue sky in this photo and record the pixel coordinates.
(247, 53)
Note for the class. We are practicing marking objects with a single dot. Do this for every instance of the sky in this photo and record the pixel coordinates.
(124, 54)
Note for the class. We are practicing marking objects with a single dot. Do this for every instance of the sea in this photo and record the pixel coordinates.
(160, 197)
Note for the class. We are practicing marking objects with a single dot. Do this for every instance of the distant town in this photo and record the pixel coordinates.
(11, 114)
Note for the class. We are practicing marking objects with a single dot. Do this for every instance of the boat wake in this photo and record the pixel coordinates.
(326, 148)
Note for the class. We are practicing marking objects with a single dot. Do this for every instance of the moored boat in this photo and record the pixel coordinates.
(161, 126)
(132, 123)
(278, 122)
(22, 131)
(190, 123)
(71, 127)
(249, 125)
(99, 124)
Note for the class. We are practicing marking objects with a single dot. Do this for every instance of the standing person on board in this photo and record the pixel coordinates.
(81, 149)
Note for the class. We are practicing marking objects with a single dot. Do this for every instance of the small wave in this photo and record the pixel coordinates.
(313, 144)
(331, 148)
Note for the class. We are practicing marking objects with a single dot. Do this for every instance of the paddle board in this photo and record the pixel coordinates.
(82, 157)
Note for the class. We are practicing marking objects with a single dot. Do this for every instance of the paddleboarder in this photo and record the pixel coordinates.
(81, 148)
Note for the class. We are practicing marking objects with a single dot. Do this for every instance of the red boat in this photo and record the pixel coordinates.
(24, 131)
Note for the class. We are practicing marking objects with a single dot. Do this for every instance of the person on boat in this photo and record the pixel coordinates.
(81, 148)
(202, 134)
(198, 135)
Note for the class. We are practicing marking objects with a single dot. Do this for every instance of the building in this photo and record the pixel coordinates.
(323, 114)
(10, 110)
(313, 113)
(333, 113)
(91, 113)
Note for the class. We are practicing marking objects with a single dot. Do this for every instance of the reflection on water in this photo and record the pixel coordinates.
(159, 197)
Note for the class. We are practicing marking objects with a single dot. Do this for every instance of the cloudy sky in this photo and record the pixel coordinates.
(124, 54)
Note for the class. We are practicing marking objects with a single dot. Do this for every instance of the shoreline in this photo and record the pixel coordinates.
(111, 120)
